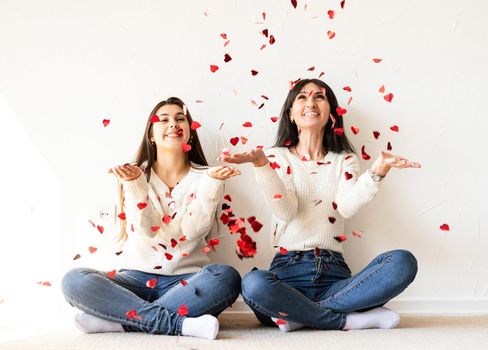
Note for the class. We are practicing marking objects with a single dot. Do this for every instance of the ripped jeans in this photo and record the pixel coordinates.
(209, 291)
(317, 289)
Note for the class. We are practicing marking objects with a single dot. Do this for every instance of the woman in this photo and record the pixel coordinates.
(311, 179)
(168, 204)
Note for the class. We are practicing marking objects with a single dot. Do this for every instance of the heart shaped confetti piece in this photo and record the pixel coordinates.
(234, 141)
(92, 249)
(388, 97)
(331, 34)
(151, 283)
(185, 147)
(354, 129)
(195, 125)
(111, 274)
(214, 68)
(105, 122)
(348, 175)
(182, 310)
(444, 227)
(141, 205)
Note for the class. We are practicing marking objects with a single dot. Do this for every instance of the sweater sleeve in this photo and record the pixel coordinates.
(200, 213)
(280, 198)
(140, 210)
(354, 190)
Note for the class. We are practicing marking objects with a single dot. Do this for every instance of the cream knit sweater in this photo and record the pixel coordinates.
(166, 231)
(311, 199)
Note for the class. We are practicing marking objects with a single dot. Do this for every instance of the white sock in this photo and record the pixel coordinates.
(91, 324)
(289, 326)
(206, 326)
(381, 317)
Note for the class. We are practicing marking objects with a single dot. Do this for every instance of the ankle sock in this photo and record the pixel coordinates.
(206, 326)
(381, 317)
(289, 326)
(91, 324)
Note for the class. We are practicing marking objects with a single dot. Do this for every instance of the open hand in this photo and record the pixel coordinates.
(222, 172)
(255, 156)
(126, 172)
(386, 161)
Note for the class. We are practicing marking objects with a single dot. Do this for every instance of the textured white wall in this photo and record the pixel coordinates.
(67, 65)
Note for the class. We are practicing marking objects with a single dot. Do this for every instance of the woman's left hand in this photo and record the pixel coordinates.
(386, 161)
(223, 172)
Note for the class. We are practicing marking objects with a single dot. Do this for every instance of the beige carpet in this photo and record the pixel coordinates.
(243, 332)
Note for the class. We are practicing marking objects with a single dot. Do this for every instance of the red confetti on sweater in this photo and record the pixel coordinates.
(332, 219)
(283, 250)
(182, 310)
(274, 165)
(334, 205)
(168, 256)
(174, 242)
(141, 205)
(214, 68)
(348, 175)
(155, 228)
(166, 219)
(105, 122)
(288, 170)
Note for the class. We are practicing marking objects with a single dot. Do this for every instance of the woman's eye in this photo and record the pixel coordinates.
(181, 120)
(300, 97)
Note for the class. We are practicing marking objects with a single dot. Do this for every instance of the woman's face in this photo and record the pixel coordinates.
(310, 110)
(173, 128)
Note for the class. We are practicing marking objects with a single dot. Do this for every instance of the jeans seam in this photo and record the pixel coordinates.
(343, 292)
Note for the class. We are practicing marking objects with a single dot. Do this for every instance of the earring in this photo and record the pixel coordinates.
(190, 140)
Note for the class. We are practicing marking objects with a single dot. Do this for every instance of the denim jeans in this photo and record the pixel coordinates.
(209, 291)
(317, 289)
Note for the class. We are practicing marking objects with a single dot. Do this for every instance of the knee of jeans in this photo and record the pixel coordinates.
(229, 275)
(407, 262)
(255, 283)
(73, 280)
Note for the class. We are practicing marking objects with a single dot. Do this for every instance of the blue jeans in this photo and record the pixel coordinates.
(209, 291)
(317, 290)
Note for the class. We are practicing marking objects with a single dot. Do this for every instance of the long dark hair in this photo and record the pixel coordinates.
(288, 131)
(146, 154)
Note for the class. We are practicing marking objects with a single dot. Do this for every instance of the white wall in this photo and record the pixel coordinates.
(67, 65)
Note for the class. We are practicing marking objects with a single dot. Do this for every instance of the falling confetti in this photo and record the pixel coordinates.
(105, 122)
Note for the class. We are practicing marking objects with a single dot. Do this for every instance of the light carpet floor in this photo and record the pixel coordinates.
(242, 331)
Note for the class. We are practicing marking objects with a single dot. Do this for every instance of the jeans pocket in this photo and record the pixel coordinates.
(340, 263)
(280, 262)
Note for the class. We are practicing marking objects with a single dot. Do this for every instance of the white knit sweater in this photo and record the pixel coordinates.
(166, 231)
(304, 216)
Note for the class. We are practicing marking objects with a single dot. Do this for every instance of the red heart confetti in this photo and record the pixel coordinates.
(294, 3)
(100, 228)
(343, 2)
(277, 197)
(105, 122)
(341, 111)
(364, 155)
(195, 125)
(92, 249)
(376, 134)
(155, 228)
(395, 128)
(166, 219)
(340, 238)
(280, 321)
(347, 88)
(288, 170)
(334, 205)
(388, 97)
(247, 125)
(388, 146)
(254, 72)
(182, 310)
(45, 283)
(154, 119)
(444, 227)
(151, 283)
(348, 175)
(168, 256)
(377, 60)
(141, 205)
(132, 314)
(272, 39)
(121, 216)
(339, 131)
(332, 219)
(214, 68)
(223, 35)
(354, 129)
(227, 58)
(111, 274)
(234, 141)
(381, 89)
(283, 250)
(331, 14)
(185, 147)
(331, 34)
(174, 242)
(274, 165)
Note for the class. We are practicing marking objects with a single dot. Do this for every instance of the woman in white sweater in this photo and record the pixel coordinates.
(312, 182)
(168, 203)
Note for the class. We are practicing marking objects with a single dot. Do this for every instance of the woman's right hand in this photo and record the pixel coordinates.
(255, 156)
(126, 172)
